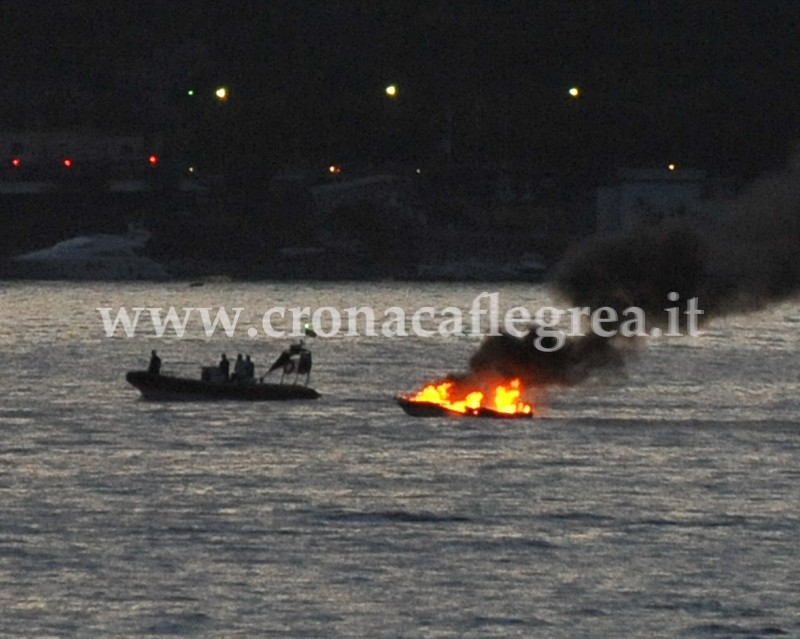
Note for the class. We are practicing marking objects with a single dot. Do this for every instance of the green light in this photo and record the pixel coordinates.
(190, 92)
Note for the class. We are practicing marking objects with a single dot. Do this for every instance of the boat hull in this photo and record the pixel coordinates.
(166, 388)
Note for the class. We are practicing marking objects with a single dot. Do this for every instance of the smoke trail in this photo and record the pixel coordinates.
(513, 357)
(637, 268)
(754, 252)
(744, 257)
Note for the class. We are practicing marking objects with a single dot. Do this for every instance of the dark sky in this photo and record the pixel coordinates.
(707, 84)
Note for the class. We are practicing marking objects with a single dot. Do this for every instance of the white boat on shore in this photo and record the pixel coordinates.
(92, 257)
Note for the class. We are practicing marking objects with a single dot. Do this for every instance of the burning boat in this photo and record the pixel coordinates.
(449, 398)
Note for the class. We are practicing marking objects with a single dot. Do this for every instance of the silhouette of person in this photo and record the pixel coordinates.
(155, 364)
(225, 367)
(238, 369)
(249, 368)
(304, 365)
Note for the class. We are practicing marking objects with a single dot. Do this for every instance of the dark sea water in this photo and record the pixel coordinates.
(663, 503)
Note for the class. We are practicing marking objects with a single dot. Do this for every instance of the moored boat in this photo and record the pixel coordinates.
(91, 257)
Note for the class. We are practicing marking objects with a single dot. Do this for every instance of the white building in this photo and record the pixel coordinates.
(646, 196)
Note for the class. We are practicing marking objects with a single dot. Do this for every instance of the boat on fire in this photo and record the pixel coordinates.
(440, 399)
(429, 409)
(214, 384)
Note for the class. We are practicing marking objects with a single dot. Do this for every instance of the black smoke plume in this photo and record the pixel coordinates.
(743, 256)
(519, 357)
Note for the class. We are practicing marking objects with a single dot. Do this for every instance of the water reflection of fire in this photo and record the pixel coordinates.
(446, 397)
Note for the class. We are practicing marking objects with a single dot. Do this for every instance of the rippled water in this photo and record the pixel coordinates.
(661, 504)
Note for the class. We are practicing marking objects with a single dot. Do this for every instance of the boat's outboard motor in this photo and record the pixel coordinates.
(294, 359)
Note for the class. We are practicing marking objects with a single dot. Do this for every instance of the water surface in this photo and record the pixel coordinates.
(659, 504)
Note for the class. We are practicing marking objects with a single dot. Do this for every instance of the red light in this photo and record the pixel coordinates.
(153, 159)
(16, 162)
(68, 163)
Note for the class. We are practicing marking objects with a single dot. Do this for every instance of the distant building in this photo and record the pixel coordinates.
(36, 161)
(41, 148)
(647, 196)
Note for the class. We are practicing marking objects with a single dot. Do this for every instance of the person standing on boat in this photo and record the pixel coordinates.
(238, 369)
(155, 364)
(225, 367)
(249, 369)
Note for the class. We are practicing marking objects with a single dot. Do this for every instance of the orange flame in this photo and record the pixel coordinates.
(505, 399)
